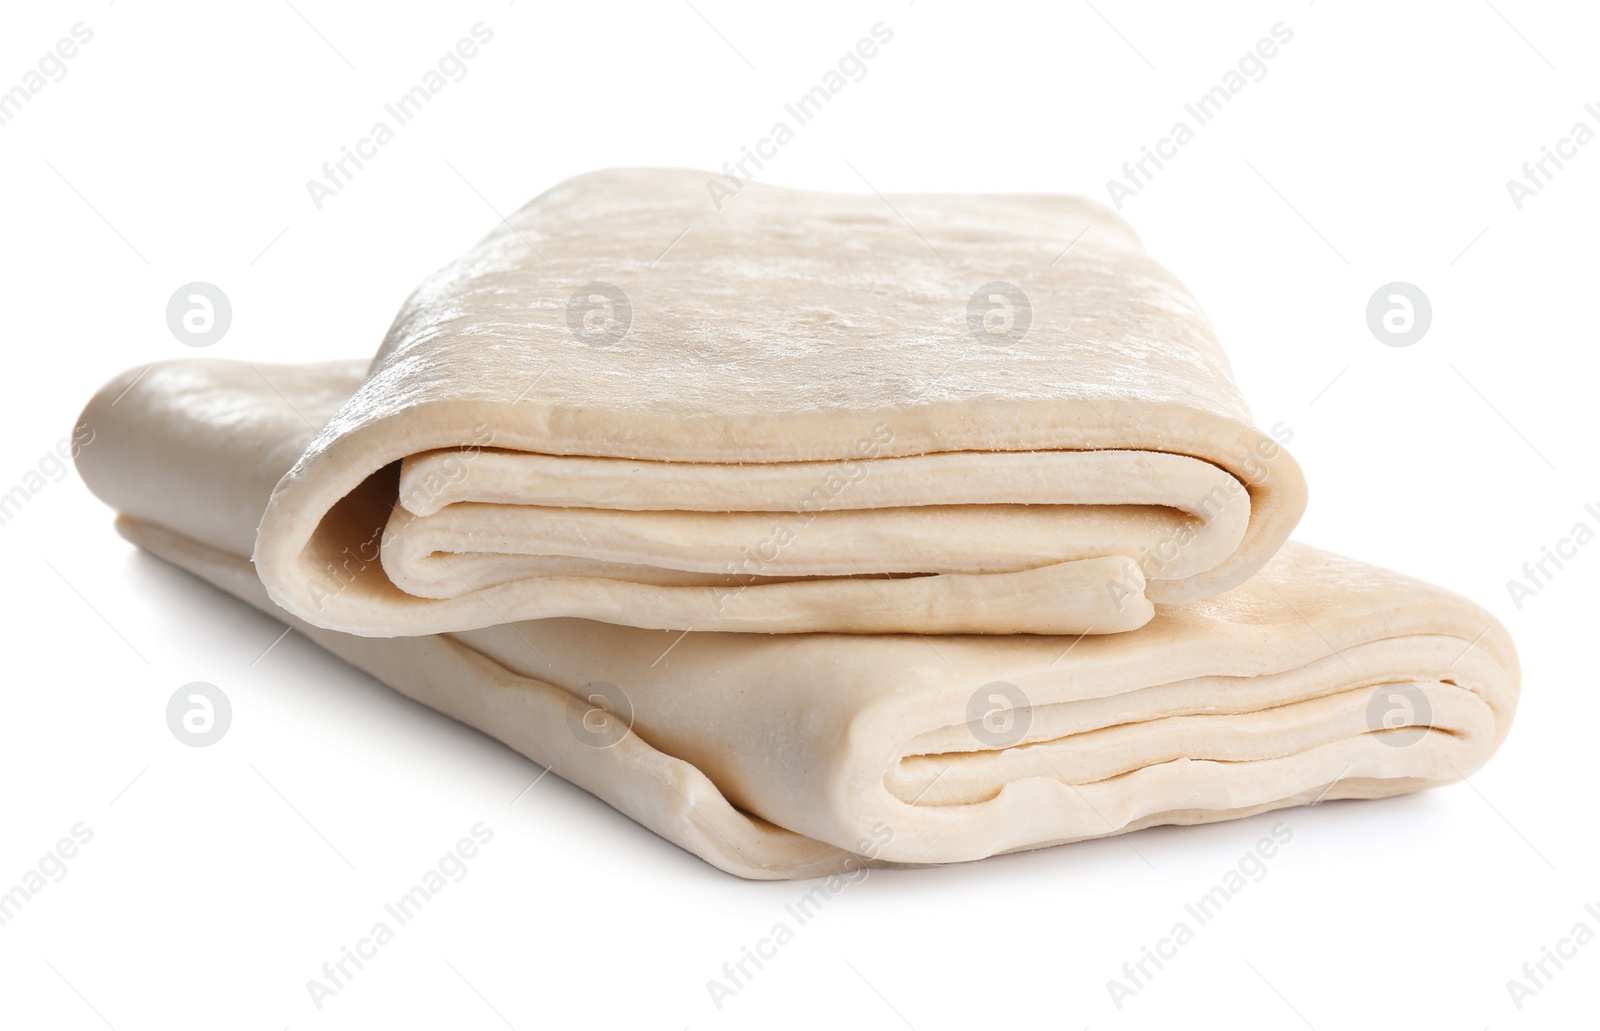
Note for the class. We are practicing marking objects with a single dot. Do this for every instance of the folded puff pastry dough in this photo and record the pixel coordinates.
(799, 429)
(810, 754)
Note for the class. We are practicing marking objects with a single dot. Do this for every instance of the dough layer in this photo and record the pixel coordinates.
(798, 429)
(810, 754)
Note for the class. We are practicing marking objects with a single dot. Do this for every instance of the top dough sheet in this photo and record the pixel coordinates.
(622, 325)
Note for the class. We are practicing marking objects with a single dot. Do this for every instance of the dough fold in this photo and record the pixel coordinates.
(791, 415)
(813, 754)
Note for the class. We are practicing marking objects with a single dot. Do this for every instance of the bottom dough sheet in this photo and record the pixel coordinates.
(786, 756)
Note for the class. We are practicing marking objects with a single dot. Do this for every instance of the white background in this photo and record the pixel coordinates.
(220, 879)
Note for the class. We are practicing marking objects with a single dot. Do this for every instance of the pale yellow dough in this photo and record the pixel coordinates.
(799, 430)
(808, 754)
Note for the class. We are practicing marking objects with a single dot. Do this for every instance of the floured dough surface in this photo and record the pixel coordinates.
(798, 431)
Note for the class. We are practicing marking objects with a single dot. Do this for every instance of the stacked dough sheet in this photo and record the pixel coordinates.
(818, 530)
